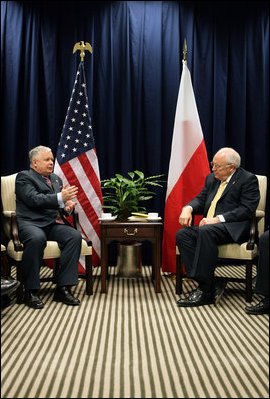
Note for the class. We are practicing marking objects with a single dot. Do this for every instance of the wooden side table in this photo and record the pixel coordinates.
(126, 231)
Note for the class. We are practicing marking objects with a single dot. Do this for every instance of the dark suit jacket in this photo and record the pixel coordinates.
(36, 202)
(237, 203)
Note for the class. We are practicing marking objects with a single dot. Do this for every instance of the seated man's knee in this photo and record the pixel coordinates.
(37, 240)
(179, 235)
(76, 236)
(182, 235)
(205, 229)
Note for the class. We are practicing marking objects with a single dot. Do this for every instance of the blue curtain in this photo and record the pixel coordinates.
(133, 78)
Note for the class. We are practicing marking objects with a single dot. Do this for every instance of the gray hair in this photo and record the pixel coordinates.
(35, 152)
(231, 156)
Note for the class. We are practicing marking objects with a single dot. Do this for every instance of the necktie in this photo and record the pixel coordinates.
(212, 208)
(58, 217)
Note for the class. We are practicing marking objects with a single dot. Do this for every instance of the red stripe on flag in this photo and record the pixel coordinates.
(81, 269)
(89, 171)
(95, 258)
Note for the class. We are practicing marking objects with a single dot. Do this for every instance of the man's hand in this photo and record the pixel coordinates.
(69, 206)
(69, 193)
(185, 219)
(205, 221)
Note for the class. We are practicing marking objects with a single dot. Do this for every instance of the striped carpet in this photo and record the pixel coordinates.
(134, 343)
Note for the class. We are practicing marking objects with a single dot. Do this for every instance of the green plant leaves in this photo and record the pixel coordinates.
(122, 195)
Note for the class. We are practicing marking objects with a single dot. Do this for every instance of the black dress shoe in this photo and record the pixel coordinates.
(8, 285)
(63, 294)
(32, 300)
(219, 288)
(261, 308)
(196, 298)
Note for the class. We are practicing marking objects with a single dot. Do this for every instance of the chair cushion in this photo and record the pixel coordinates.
(51, 251)
(85, 249)
(234, 251)
(237, 251)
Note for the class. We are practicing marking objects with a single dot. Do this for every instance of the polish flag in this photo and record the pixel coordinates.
(188, 167)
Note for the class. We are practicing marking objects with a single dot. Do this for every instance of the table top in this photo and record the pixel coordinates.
(130, 222)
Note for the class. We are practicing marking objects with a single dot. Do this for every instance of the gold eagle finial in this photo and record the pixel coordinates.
(82, 47)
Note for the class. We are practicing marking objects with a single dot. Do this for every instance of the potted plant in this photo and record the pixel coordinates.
(124, 195)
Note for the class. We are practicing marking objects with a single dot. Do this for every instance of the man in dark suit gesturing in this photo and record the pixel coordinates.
(41, 203)
(227, 201)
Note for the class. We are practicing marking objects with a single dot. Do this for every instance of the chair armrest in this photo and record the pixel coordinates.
(18, 246)
(8, 213)
(260, 214)
(77, 226)
(253, 232)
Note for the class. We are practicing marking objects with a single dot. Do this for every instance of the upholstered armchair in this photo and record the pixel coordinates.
(14, 248)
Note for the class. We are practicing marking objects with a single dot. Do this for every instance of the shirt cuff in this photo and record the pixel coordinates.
(221, 218)
(60, 200)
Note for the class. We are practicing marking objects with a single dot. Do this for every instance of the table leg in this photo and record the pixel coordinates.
(157, 265)
(104, 261)
(154, 260)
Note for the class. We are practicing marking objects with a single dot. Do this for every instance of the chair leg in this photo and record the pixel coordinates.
(19, 275)
(179, 275)
(88, 274)
(5, 265)
(249, 281)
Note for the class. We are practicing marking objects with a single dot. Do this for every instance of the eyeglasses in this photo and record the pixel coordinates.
(217, 166)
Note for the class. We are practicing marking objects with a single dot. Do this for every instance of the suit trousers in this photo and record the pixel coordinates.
(198, 247)
(34, 240)
(262, 279)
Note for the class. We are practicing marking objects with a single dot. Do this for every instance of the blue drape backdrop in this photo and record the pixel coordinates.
(133, 78)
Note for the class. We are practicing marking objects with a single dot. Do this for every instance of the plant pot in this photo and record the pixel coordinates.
(129, 258)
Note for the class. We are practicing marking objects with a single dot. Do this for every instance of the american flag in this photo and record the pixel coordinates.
(77, 164)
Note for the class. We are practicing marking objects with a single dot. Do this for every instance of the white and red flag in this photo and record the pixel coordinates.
(77, 164)
(188, 166)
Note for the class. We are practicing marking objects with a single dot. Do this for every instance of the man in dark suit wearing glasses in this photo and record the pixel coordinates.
(227, 201)
(41, 205)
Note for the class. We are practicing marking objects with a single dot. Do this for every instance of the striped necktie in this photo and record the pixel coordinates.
(58, 217)
(48, 181)
(212, 208)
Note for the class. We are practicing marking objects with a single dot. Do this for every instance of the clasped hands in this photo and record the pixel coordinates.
(185, 219)
(68, 193)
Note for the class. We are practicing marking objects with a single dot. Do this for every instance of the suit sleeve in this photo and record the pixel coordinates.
(248, 199)
(28, 192)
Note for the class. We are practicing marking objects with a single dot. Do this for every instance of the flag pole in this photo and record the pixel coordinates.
(82, 47)
(185, 50)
